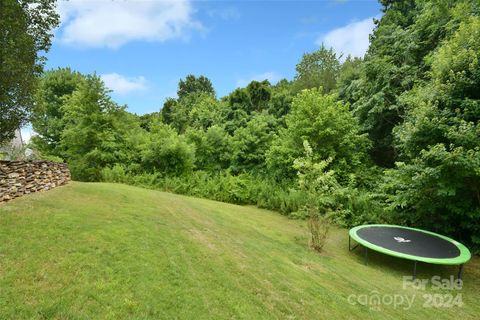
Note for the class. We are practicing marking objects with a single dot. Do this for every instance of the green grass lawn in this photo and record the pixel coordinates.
(111, 251)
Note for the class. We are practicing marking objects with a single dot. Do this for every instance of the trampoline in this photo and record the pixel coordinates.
(410, 243)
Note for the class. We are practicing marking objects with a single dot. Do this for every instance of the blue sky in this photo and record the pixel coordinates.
(142, 48)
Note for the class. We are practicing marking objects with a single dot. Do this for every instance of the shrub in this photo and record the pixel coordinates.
(167, 152)
(114, 174)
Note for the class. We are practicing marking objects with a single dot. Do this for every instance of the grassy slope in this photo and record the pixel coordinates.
(113, 251)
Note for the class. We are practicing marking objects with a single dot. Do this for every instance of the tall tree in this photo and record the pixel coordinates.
(328, 126)
(25, 32)
(348, 79)
(260, 94)
(167, 152)
(437, 184)
(398, 58)
(250, 143)
(199, 110)
(238, 107)
(280, 100)
(212, 148)
(53, 91)
(318, 69)
(167, 109)
(193, 84)
(95, 130)
(205, 112)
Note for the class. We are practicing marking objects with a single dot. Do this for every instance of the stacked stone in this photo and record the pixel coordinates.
(23, 177)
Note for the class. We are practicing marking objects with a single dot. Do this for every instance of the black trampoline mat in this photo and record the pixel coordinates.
(407, 241)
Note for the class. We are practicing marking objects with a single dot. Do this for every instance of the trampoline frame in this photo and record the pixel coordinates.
(463, 257)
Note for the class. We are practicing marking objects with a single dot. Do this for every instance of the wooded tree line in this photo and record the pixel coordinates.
(393, 137)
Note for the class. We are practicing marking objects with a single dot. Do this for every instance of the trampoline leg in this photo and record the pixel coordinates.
(460, 270)
(366, 256)
(349, 244)
(414, 270)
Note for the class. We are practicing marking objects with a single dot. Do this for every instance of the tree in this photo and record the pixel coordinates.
(199, 110)
(25, 32)
(166, 152)
(398, 58)
(212, 148)
(54, 89)
(241, 105)
(319, 186)
(328, 126)
(349, 79)
(260, 93)
(193, 84)
(437, 183)
(179, 113)
(318, 69)
(95, 131)
(147, 120)
(205, 112)
(280, 100)
(237, 110)
(166, 111)
(250, 143)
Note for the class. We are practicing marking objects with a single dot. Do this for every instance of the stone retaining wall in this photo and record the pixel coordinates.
(23, 177)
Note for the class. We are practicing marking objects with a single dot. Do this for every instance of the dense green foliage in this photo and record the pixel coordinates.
(192, 84)
(437, 184)
(96, 130)
(54, 89)
(329, 128)
(167, 152)
(392, 137)
(318, 69)
(25, 32)
(398, 58)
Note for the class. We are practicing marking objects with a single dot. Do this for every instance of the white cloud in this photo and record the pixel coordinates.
(110, 23)
(123, 85)
(351, 39)
(272, 77)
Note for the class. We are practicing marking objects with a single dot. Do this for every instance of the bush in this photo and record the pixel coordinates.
(167, 152)
(357, 206)
(114, 174)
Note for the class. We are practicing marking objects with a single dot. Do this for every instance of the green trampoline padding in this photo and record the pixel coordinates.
(411, 243)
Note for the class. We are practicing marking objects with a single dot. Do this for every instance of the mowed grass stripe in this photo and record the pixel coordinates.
(108, 251)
